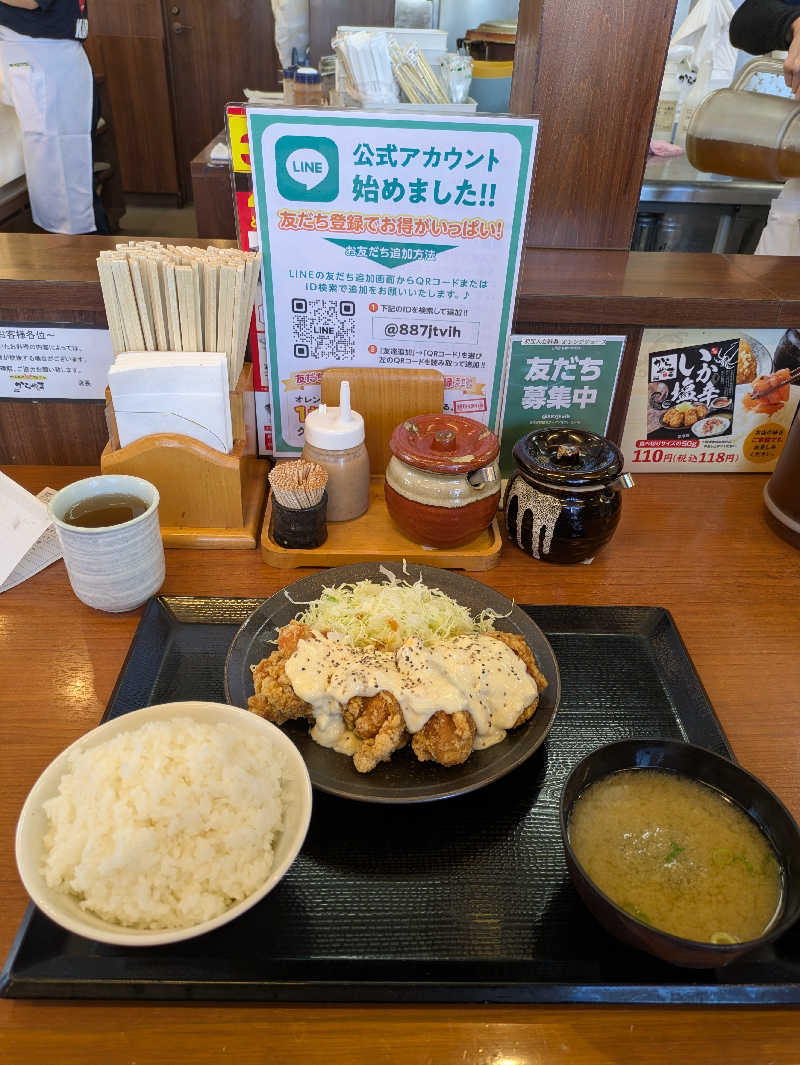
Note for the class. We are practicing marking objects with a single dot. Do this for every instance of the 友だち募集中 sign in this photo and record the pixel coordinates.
(558, 380)
(389, 241)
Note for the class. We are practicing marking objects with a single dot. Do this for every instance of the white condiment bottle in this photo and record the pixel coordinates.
(334, 438)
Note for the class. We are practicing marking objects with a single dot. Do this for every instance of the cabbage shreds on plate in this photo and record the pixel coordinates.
(366, 613)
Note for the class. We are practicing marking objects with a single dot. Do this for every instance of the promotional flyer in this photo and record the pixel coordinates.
(711, 399)
(389, 240)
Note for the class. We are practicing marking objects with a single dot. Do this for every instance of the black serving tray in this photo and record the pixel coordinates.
(466, 900)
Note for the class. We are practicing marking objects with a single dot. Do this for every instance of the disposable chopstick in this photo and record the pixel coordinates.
(157, 302)
(239, 309)
(142, 304)
(197, 288)
(252, 275)
(184, 282)
(210, 280)
(227, 286)
(113, 310)
(167, 271)
(134, 338)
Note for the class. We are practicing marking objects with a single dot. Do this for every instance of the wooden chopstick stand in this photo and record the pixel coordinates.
(167, 298)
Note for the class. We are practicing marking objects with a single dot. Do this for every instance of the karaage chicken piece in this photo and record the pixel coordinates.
(445, 738)
(379, 723)
(673, 418)
(274, 696)
(520, 648)
(290, 635)
(690, 417)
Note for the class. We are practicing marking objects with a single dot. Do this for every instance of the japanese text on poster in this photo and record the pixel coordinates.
(389, 242)
(558, 380)
(41, 361)
(696, 402)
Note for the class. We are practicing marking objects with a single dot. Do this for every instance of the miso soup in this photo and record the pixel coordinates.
(677, 855)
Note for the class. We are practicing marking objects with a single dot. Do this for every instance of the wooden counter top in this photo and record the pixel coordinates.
(596, 287)
(694, 543)
(657, 288)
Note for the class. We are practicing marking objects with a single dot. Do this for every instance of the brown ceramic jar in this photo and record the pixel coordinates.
(443, 481)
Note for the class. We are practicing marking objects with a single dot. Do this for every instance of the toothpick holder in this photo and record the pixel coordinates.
(208, 499)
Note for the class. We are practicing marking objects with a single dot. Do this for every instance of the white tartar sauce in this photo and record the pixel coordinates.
(478, 674)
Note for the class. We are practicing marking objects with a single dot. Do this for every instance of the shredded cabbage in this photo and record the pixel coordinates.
(365, 613)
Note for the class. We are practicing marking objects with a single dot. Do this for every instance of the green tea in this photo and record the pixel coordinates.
(677, 855)
(97, 512)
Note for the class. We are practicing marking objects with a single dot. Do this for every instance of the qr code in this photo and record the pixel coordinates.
(323, 329)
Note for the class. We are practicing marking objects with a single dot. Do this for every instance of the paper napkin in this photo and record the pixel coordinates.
(165, 392)
(28, 540)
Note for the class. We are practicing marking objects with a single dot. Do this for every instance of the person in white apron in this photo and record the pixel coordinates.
(47, 79)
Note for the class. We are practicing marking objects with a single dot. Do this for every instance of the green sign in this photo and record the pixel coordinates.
(558, 380)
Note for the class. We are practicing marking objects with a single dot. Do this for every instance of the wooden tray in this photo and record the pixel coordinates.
(375, 537)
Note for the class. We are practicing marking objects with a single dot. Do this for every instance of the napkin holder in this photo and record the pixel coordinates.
(209, 499)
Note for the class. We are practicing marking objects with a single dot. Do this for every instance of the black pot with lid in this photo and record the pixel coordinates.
(563, 502)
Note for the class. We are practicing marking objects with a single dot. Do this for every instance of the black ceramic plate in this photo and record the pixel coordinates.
(403, 779)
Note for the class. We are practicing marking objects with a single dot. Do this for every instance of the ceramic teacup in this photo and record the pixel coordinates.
(115, 567)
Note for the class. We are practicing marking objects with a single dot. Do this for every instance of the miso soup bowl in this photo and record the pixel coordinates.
(747, 791)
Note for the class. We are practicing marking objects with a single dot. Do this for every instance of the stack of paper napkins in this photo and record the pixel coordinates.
(172, 392)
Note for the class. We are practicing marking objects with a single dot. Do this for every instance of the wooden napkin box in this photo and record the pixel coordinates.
(208, 499)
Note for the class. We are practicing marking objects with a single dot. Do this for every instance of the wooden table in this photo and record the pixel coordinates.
(695, 543)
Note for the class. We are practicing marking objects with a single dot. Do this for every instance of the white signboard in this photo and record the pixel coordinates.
(389, 240)
(42, 361)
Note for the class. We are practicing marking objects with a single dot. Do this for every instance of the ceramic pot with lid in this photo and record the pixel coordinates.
(443, 481)
(563, 501)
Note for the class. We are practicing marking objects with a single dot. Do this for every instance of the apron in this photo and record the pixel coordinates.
(49, 83)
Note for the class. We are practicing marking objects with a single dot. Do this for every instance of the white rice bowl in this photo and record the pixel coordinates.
(186, 816)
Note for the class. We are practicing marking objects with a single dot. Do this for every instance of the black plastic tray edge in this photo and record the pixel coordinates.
(348, 992)
(689, 680)
(423, 991)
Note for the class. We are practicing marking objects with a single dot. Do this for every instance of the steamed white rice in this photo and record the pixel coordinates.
(166, 826)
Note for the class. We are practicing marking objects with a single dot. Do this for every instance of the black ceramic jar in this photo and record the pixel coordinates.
(562, 503)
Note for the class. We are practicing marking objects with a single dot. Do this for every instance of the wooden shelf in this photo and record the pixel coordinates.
(555, 286)
(657, 288)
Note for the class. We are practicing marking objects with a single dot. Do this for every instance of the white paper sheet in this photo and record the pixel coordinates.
(23, 520)
(44, 552)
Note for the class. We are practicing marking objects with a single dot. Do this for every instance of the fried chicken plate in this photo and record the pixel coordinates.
(451, 697)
